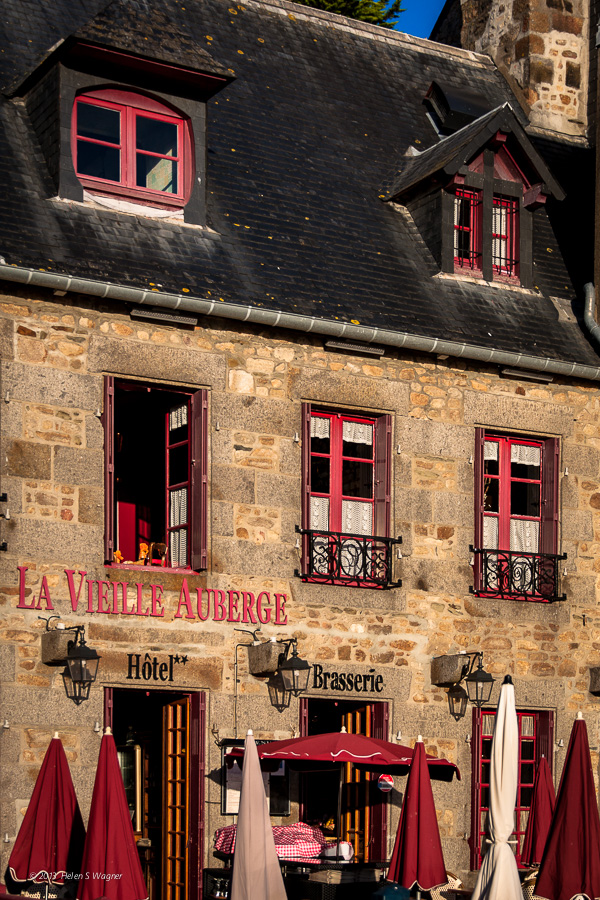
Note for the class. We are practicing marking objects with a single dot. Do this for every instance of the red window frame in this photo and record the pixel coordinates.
(131, 106)
(549, 498)
(381, 460)
(540, 742)
(505, 240)
(196, 483)
(467, 229)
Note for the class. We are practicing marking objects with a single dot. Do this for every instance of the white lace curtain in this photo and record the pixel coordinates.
(357, 517)
(319, 513)
(177, 417)
(490, 450)
(525, 456)
(319, 427)
(358, 433)
(524, 535)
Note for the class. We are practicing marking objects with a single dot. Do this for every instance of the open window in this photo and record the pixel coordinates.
(156, 481)
(516, 517)
(536, 739)
(132, 145)
(346, 498)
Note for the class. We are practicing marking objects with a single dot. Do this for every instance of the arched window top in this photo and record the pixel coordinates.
(132, 145)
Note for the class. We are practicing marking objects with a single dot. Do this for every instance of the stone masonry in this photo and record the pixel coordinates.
(55, 356)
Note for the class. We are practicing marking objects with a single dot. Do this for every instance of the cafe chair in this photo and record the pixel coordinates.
(446, 891)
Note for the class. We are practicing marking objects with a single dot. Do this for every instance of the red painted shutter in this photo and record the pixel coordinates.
(379, 799)
(108, 421)
(197, 778)
(475, 787)
(545, 736)
(478, 513)
(306, 414)
(199, 480)
(383, 476)
(549, 525)
(108, 707)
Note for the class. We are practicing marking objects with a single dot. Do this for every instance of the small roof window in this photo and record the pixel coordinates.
(452, 109)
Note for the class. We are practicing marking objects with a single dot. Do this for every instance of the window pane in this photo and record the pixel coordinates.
(357, 479)
(490, 494)
(98, 161)
(319, 444)
(178, 424)
(156, 174)
(156, 136)
(490, 466)
(526, 796)
(486, 745)
(527, 749)
(526, 774)
(319, 475)
(178, 464)
(517, 470)
(524, 499)
(98, 123)
(362, 451)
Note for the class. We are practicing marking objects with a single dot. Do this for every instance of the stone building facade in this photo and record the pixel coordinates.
(313, 289)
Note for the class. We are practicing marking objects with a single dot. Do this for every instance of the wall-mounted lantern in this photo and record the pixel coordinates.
(451, 671)
(59, 648)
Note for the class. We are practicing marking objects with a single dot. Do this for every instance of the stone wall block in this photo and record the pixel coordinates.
(577, 525)
(278, 490)
(91, 506)
(514, 413)
(7, 663)
(418, 436)
(264, 416)
(190, 367)
(455, 509)
(78, 466)
(340, 388)
(7, 339)
(94, 433)
(221, 519)
(413, 505)
(580, 460)
(232, 557)
(43, 384)
(353, 598)
(81, 545)
(444, 577)
(29, 460)
(232, 485)
(290, 457)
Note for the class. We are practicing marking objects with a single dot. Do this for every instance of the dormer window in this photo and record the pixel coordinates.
(129, 144)
(503, 238)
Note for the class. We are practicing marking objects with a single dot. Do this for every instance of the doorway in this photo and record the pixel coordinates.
(160, 739)
(364, 806)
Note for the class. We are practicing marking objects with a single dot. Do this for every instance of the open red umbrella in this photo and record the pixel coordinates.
(111, 866)
(50, 840)
(417, 858)
(543, 802)
(341, 747)
(571, 862)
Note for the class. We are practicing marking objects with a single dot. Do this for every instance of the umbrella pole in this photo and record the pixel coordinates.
(339, 814)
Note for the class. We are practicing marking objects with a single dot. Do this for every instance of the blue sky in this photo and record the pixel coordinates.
(419, 16)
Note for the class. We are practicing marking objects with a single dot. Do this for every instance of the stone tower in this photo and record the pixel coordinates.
(541, 46)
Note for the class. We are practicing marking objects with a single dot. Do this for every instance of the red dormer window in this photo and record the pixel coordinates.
(131, 145)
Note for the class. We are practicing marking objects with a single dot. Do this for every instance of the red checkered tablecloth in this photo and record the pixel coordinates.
(299, 841)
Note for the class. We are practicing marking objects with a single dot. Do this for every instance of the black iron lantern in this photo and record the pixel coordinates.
(294, 672)
(278, 695)
(479, 685)
(81, 670)
(457, 701)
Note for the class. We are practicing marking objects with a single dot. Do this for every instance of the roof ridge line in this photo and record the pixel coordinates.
(388, 35)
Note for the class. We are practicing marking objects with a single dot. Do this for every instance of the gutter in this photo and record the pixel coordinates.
(307, 324)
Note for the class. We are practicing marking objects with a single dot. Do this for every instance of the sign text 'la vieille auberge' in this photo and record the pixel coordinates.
(119, 598)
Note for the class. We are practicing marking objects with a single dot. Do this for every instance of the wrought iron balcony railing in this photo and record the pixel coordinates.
(332, 557)
(517, 576)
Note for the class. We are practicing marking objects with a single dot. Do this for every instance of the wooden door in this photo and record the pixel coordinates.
(356, 811)
(176, 799)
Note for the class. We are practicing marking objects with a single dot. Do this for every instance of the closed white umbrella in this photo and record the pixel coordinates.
(498, 877)
(256, 870)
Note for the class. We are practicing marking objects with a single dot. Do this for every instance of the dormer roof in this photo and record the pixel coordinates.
(452, 154)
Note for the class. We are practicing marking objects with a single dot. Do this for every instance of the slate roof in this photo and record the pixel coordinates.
(318, 118)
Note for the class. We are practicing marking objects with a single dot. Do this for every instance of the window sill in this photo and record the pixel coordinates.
(173, 217)
(501, 283)
(132, 567)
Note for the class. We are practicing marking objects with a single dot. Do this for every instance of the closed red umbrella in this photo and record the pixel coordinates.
(543, 802)
(418, 858)
(571, 862)
(111, 866)
(50, 840)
